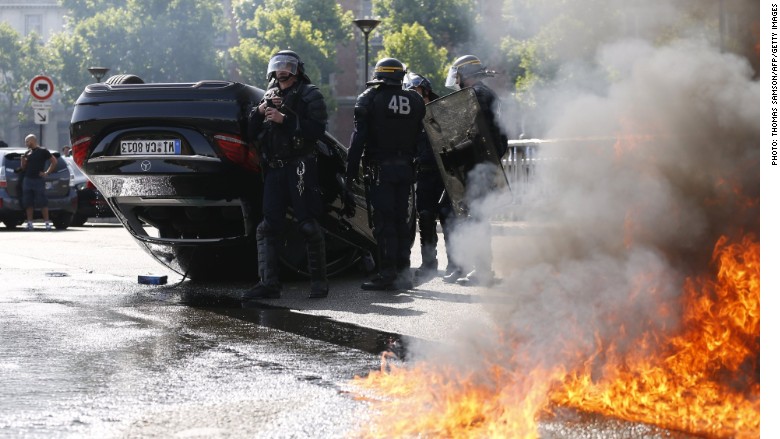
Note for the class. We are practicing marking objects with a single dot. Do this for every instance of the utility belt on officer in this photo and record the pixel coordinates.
(281, 163)
(390, 158)
(427, 167)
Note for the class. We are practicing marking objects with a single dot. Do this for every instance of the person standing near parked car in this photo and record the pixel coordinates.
(388, 124)
(286, 126)
(34, 167)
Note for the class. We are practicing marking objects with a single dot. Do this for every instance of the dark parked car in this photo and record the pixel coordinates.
(174, 164)
(62, 197)
(91, 203)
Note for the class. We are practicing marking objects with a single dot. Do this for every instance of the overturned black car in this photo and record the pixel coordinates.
(175, 166)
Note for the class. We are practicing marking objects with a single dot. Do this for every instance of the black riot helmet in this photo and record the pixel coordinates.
(467, 66)
(388, 71)
(413, 80)
(287, 61)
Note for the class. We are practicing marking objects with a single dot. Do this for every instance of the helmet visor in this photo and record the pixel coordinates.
(452, 79)
(412, 81)
(283, 63)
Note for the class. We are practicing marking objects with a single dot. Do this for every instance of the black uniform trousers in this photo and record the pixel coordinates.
(432, 206)
(389, 196)
(280, 190)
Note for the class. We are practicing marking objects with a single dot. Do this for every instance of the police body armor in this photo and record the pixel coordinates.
(389, 136)
(280, 142)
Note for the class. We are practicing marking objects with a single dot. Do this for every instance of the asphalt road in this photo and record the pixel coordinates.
(87, 351)
(97, 250)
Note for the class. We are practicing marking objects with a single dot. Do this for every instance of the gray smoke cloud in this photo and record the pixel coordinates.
(645, 174)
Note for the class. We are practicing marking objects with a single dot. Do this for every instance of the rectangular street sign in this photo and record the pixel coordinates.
(41, 116)
(41, 105)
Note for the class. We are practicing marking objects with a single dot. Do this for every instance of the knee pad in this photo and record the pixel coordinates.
(310, 230)
(263, 230)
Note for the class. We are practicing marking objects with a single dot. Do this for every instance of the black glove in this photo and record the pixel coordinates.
(347, 196)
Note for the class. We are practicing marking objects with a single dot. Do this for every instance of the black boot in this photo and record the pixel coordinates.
(403, 278)
(379, 283)
(269, 286)
(428, 240)
(482, 278)
(430, 265)
(261, 291)
(315, 248)
(452, 274)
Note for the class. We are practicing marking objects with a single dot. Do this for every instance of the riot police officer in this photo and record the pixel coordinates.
(287, 124)
(431, 199)
(468, 71)
(388, 123)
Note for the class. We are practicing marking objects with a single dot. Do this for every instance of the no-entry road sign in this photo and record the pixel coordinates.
(41, 87)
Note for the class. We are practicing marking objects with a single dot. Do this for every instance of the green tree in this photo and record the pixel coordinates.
(244, 14)
(280, 29)
(9, 63)
(450, 22)
(313, 28)
(21, 59)
(416, 49)
(160, 41)
(82, 9)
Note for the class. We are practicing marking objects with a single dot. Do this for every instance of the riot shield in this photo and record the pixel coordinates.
(462, 142)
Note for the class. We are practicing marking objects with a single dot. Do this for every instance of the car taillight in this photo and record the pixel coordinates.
(3, 183)
(238, 151)
(90, 185)
(80, 149)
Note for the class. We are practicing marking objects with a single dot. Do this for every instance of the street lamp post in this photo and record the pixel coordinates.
(366, 25)
(98, 72)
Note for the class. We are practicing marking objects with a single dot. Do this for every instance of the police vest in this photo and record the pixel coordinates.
(394, 122)
(291, 139)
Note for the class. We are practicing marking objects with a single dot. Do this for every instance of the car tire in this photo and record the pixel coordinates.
(62, 221)
(78, 220)
(10, 224)
(124, 79)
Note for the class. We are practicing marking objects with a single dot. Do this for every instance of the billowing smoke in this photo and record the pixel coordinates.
(627, 199)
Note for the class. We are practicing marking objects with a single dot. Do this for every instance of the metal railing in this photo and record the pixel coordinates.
(520, 161)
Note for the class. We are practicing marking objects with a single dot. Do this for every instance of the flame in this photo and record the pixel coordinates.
(702, 378)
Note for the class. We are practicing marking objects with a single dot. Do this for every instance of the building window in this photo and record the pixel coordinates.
(33, 23)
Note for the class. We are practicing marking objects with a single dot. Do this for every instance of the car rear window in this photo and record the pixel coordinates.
(12, 160)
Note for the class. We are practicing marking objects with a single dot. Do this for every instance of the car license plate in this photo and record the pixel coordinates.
(150, 147)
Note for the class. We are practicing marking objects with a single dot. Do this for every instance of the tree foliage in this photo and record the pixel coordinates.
(279, 30)
(21, 59)
(416, 49)
(449, 22)
(312, 28)
(160, 41)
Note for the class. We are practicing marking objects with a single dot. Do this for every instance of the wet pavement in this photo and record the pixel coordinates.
(86, 351)
(76, 361)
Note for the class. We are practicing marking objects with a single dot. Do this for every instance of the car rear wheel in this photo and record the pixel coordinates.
(124, 79)
(11, 224)
(62, 221)
(78, 220)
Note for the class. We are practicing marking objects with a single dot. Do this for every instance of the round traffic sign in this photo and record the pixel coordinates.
(41, 87)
